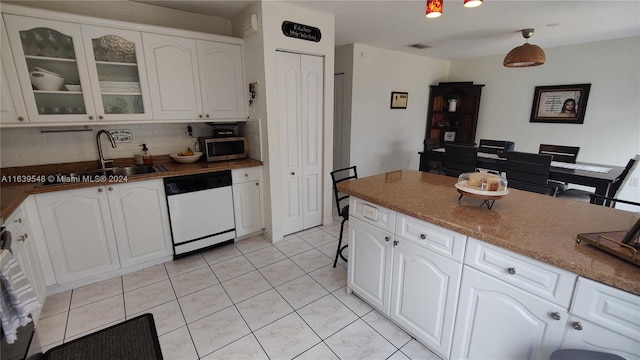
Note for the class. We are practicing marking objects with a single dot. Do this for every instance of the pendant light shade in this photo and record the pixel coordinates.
(434, 8)
(525, 55)
(472, 3)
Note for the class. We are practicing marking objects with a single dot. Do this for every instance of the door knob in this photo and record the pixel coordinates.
(577, 325)
(555, 315)
(100, 189)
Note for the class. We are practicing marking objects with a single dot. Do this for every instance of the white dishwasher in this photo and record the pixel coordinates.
(200, 211)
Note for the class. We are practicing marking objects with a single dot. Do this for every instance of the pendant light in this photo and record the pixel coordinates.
(472, 3)
(434, 8)
(525, 55)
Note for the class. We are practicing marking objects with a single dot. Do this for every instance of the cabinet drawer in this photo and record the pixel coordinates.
(373, 214)
(435, 238)
(246, 174)
(538, 278)
(607, 306)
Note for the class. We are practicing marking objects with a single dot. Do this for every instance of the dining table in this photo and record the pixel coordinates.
(598, 176)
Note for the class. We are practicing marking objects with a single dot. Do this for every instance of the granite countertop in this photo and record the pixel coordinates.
(541, 227)
(12, 194)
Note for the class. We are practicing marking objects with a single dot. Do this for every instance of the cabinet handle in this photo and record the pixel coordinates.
(20, 118)
(555, 315)
(90, 117)
(100, 117)
(386, 238)
(292, 173)
(423, 236)
(576, 325)
(200, 116)
(246, 175)
(110, 188)
(395, 242)
(23, 237)
(100, 189)
(18, 220)
(207, 116)
(257, 184)
(511, 270)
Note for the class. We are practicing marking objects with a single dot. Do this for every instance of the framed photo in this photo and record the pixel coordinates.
(449, 136)
(563, 104)
(399, 100)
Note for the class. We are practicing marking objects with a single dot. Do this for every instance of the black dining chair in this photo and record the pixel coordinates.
(459, 159)
(430, 144)
(560, 153)
(342, 203)
(585, 196)
(529, 172)
(495, 146)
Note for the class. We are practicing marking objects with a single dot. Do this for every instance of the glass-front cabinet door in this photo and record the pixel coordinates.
(117, 72)
(51, 69)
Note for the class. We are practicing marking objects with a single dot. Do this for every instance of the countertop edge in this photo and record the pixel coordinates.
(12, 195)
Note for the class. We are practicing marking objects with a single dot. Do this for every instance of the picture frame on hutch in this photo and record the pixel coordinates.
(563, 104)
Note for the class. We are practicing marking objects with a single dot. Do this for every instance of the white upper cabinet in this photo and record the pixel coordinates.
(48, 56)
(172, 64)
(222, 85)
(12, 110)
(65, 69)
(192, 79)
(118, 75)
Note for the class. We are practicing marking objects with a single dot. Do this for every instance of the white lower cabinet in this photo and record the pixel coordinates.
(25, 251)
(400, 276)
(604, 319)
(140, 221)
(369, 266)
(425, 294)
(499, 321)
(247, 200)
(98, 230)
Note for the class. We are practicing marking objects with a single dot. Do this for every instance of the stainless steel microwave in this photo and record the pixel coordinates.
(224, 148)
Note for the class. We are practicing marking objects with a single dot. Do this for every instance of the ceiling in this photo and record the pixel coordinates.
(491, 29)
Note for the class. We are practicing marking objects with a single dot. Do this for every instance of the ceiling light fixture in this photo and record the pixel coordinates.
(434, 8)
(525, 55)
(472, 3)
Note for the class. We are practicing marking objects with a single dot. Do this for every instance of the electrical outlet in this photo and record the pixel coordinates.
(633, 182)
(185, 133)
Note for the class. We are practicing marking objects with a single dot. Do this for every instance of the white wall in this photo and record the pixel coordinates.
(271, 14)
(384, 139)
(611, 130)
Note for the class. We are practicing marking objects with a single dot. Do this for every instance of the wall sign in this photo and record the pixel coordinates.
(300, 31)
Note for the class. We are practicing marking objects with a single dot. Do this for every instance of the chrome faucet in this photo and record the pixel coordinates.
(103, 162)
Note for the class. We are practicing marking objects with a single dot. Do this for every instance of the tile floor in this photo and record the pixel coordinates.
(248, 300)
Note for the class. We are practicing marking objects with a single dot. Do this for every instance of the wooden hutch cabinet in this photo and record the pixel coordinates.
(452, 116)
(453, 112)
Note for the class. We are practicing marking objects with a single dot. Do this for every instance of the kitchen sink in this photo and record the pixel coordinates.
(116, 174)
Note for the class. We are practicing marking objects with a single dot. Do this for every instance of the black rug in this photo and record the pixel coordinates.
(132, 339)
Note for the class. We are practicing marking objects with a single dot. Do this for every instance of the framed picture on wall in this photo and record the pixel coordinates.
(560, 104)
(399, 100)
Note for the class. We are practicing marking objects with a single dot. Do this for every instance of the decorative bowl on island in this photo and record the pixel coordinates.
(482, 184)
(186, 159)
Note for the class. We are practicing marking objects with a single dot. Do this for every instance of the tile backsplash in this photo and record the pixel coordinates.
(29, 146)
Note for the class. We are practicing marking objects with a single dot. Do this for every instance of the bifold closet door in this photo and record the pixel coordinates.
(300, 106)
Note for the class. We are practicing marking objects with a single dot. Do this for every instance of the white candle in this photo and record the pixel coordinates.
(452, 105)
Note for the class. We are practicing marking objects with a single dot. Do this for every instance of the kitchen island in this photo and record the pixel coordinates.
(511, 280)
(540, 227)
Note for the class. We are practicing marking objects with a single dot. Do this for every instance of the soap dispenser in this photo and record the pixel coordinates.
(147, 159)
